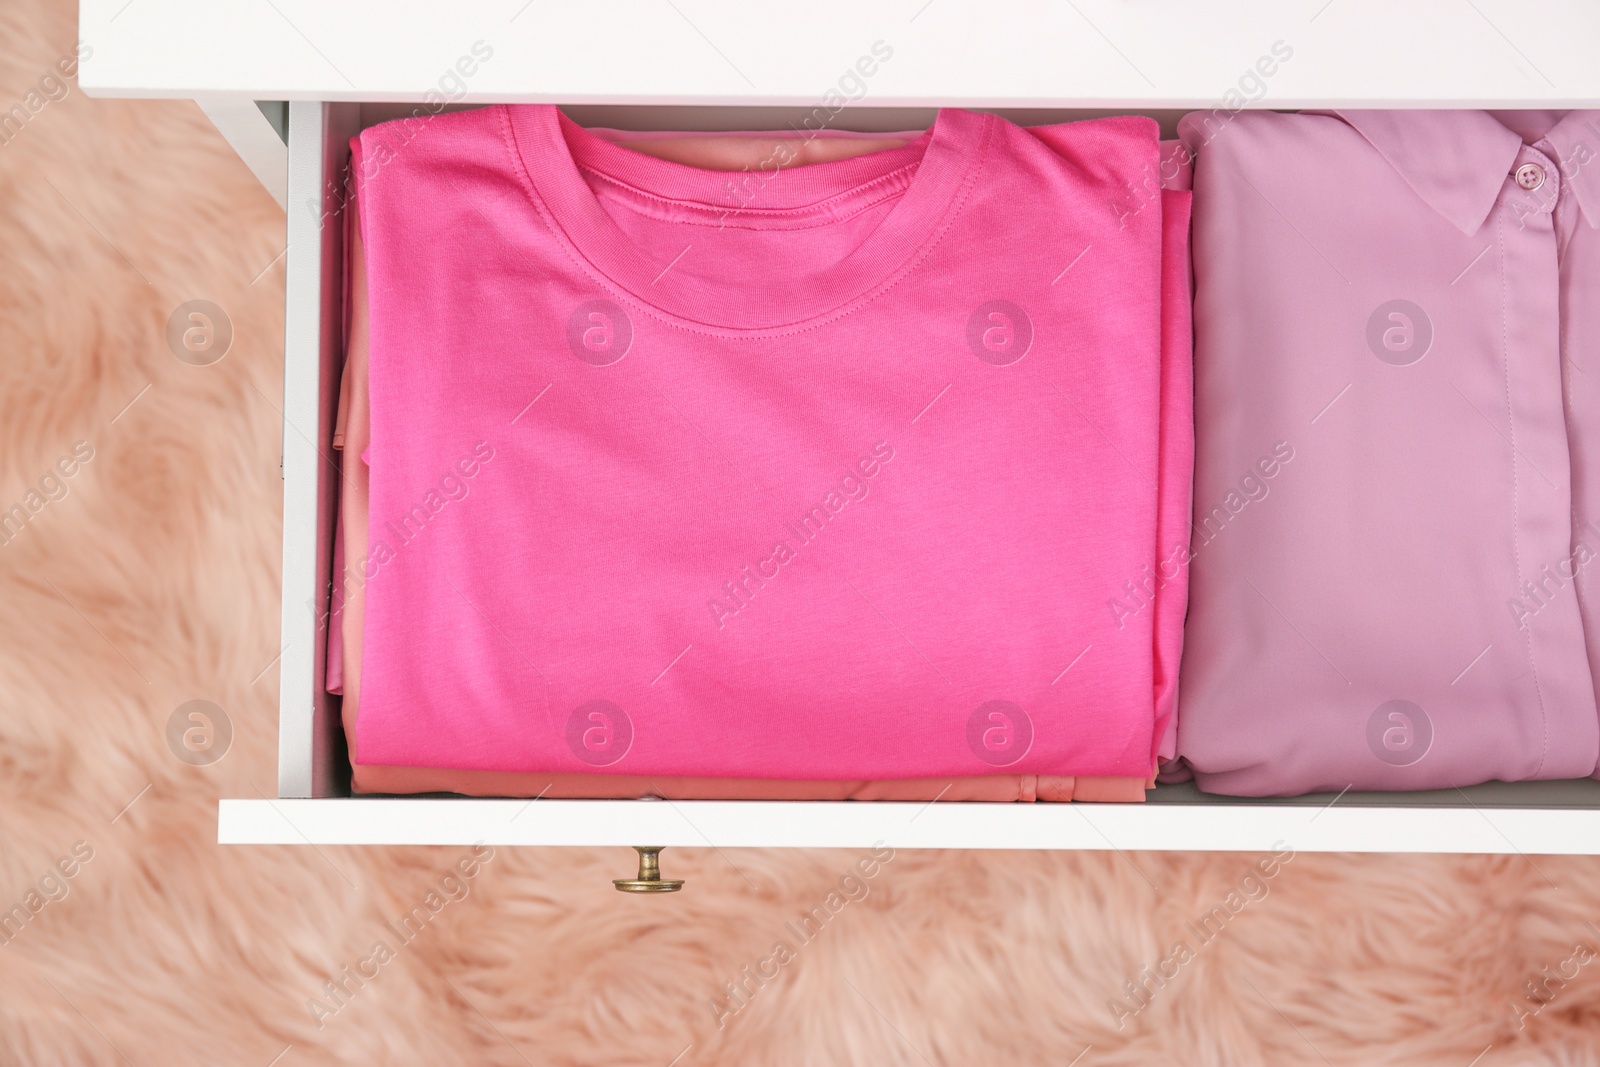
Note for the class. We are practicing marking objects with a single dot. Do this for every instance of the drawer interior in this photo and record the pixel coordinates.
(313, 768)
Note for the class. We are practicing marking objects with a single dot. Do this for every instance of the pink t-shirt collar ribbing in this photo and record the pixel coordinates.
(925, 178)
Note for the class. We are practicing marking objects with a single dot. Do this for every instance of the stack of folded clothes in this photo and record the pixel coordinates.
(763, 466)
(833, 466)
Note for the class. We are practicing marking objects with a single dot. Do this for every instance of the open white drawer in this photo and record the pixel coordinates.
(707, 64)
(314, 806)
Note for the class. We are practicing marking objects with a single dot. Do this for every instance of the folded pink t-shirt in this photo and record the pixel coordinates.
(749, 152)
(345, 675)
(589, 442)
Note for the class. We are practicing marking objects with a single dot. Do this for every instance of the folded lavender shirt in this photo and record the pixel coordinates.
(1385, 501)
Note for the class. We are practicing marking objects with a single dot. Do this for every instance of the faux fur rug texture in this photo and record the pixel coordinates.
(148, 578)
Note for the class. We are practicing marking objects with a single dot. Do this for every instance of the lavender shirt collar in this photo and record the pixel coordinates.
(1457, 161)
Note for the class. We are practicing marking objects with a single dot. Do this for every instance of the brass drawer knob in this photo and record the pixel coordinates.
(649, 880)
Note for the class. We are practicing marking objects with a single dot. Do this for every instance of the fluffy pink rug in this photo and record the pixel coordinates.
(153, 581)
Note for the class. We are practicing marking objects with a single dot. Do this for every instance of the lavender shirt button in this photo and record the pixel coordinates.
(1530, 176)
